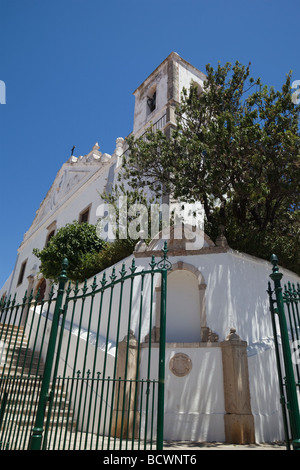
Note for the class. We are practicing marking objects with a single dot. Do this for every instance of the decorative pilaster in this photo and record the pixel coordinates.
(239, 422)
(125, 417)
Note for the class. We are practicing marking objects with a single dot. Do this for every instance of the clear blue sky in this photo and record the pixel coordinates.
(71, 66)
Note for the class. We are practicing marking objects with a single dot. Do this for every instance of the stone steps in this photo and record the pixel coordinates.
(22, 421)
(21, 370)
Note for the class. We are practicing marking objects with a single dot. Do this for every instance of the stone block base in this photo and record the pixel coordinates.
(125, 427)
(239, 429)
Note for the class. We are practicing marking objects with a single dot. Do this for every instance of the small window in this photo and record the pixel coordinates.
(84, 216)
(197, 88)
(50, 232)
(40, 289)
(50, 235)
(22, 271)
(151, 100)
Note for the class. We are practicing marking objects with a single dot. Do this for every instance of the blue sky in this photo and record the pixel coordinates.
(71, 66)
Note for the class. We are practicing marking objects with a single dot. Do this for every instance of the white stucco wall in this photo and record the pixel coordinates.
(235, 296)
(194, 404)
(188, 76)
(79, 184)
(182, 299)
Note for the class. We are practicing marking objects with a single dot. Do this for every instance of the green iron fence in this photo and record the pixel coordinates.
(82, 369)
(285, 313)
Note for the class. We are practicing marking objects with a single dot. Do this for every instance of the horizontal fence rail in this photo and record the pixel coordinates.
(84, 367)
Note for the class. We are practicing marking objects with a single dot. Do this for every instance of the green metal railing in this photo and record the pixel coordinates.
(82, 369)
(285, 309)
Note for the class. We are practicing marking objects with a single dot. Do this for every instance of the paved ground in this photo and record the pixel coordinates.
(190, 446)
(177, 445)
(81, 441)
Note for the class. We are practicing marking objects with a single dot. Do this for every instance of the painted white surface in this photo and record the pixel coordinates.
(183, 308)
(76, 187)
(159, 82)
(187, 77)
(194, 404)
(235, 296)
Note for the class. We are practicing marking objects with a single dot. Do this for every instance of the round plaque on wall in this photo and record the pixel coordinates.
(180, 364)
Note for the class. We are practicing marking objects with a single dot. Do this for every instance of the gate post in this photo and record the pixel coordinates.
(239, 421)
(161, 369)
(37, 431)
(164, 264)
(125, 419)
(291, 390)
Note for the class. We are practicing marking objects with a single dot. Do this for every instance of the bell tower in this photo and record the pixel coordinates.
(156, 98)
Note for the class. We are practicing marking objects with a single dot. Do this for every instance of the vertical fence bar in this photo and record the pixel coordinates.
(2, 409)
(164, 265)
(291, 302)
(161, 369)
(123, 417)
(279, 371)
(37, 432)
(63, 312)
(291, 390)
(152, 265)
(45, 429)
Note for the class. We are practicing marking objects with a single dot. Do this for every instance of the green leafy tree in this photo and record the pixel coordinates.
(77, 242)
(235, 148)
(130, 212)
(120, 202)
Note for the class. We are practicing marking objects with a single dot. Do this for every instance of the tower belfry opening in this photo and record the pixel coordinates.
(157, 97)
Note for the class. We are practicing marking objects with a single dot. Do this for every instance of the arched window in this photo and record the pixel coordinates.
(151, 100)
(198, 87)
(186, 310)
(183, 323)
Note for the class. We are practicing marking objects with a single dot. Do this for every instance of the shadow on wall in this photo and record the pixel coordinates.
(194, 404)
(236, 296)
(183, 308)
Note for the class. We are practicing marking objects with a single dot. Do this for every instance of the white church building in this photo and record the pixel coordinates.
(221, 379)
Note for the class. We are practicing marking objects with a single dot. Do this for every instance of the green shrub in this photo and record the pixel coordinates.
(76, 242)
(111, 253)
(86, 252)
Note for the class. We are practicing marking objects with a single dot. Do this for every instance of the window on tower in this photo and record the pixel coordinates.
(151, 100)
(197, 87)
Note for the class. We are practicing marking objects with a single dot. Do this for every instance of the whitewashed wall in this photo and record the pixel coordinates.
(236, 297)
(78, 183)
